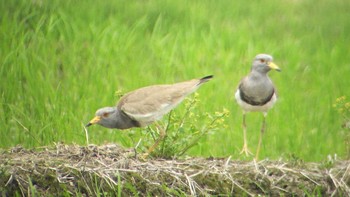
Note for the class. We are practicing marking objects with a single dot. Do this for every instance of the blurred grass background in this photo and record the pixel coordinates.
(62, 60)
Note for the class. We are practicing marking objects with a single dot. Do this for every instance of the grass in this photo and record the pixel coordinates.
(60, 61)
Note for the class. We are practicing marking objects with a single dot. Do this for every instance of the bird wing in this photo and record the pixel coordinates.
(149, 104)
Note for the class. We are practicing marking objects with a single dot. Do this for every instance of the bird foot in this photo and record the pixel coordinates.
(246, 150)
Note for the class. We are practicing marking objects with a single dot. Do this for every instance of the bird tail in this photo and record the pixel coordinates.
(205, 79)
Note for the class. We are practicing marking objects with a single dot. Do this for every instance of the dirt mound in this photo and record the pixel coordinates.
(112, 170)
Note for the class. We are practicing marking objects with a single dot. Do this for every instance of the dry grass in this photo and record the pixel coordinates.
(112, 170)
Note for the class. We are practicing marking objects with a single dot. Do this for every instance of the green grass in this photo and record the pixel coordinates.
(62, 60)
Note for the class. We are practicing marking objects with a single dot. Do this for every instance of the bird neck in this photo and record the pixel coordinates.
(257, 75)
(120, 120)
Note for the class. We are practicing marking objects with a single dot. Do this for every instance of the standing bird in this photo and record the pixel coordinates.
(256, 92)
(146, 105)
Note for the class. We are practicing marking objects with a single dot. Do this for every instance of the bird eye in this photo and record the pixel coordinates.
(105, 115)
(262, 60)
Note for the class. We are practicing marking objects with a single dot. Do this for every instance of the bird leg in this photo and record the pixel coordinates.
(245, 144)
(160, 138)
(263, 128)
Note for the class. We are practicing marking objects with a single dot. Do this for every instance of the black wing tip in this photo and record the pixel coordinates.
(206, 78)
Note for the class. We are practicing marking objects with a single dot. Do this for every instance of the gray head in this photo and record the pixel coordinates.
(263, 63)
(105, 117)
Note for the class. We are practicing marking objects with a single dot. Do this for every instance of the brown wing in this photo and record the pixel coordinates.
(151, 103)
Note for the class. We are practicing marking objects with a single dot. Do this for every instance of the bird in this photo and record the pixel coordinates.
(256, 93)
(144, 106)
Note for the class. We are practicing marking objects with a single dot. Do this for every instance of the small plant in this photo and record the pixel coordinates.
(330, 161)
(342, 105)
(182, 130)
(294, 159)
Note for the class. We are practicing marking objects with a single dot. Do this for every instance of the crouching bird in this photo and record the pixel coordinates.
(146, 105)
(256, 92)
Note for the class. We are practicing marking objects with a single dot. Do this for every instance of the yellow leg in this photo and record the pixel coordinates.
(160, 138)
(245, 144)
(262, 131)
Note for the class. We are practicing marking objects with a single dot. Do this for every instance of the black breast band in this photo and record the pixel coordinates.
(251, 101)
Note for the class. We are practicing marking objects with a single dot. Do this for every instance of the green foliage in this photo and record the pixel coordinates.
(317, 191)
(32, 190)
(62, 60)
(342, 105)
(330, 161)
(294, 160)
(183, 131)
(119, 186)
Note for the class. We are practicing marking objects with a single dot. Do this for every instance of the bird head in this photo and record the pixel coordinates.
(104, 117)
(263, 63)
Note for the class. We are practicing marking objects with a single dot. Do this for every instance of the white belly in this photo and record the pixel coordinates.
(251, 108)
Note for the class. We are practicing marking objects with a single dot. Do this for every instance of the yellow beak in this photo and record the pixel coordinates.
(274, 66)
(94, 121)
